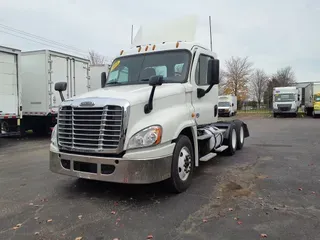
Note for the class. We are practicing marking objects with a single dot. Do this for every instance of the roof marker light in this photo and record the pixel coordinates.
(121, 52)
(146, 49)
(177, 44)
(139, 49)
(154, 47)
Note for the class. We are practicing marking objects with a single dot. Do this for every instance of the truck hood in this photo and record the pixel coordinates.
(135, 94)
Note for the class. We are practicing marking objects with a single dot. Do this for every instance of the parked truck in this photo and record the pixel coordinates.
(227, 105)
(312, 98)
(147, 123)
(95, 75)
(10, 91)
(40, 71)
(286, 101)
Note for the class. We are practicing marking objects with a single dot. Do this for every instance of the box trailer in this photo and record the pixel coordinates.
(10, 91)
(227, 105)
(95, 75)
(40, 70)
(312, 106)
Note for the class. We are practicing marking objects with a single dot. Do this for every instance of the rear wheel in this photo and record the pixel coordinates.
(231, 141)
(240, 137)
(182, 165)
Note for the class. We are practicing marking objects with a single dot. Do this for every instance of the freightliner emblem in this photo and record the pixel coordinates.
(87, 104)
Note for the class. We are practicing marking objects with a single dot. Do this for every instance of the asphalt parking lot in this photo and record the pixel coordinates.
(271, 188)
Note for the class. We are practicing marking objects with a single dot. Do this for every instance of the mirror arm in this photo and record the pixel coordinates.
(149, 106)
(61, 96)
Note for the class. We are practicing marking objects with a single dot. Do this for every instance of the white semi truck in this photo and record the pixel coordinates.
(40, 70)
(227, 105)
(10, 91)
(286, 101)
(148, 123)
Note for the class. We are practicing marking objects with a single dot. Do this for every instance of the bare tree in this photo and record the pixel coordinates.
(237, 76)
(285, 77)
(96, 58)
(222, 82)
(258, 85)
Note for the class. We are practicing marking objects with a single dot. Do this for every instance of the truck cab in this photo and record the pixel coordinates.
(227, 105)
(316, 104)
(286, 101)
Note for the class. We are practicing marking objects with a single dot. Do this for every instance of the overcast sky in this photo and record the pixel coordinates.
(273, 33)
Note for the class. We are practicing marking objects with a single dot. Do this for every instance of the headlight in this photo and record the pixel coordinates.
(54, 139)
(146, 137)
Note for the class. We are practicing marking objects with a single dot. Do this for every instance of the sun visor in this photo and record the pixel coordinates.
(182, 29)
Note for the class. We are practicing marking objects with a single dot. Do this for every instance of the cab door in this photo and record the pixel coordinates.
(206, 107)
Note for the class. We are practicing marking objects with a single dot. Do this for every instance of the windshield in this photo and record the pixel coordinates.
(284, 97)
(137, 69)
(317, 98)
(224, 104)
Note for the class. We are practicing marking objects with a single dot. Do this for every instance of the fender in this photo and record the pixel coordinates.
(191, 125)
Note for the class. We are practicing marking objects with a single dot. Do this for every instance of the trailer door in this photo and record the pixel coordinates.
(79, 77)
(58, 72)
(9, 103)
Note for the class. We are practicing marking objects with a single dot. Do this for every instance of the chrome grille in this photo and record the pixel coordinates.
(90, 129)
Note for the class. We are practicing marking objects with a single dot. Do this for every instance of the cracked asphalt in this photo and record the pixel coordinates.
(271, 186)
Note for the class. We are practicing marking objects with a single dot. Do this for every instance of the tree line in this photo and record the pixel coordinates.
(251, 84)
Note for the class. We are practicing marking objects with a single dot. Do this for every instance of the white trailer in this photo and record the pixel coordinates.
(10, 91)
(286, 101)
(312, 99)
(227, 105)
(40, 71)
(149, 123)
(95, 75)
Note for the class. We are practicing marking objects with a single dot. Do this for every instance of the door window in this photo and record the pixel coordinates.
(201, 70)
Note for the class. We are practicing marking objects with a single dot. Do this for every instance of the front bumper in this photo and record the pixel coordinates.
(120, 170)
(285, 112)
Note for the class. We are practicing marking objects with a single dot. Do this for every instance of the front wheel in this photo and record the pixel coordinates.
(182, 165)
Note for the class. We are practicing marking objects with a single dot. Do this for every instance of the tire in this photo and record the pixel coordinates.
(183, 152)
(240, 136)
(231, 141)
(275, 115)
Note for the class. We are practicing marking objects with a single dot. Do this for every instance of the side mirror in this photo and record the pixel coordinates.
(156, 80)
(60, 86)
(232, 104)
(213, 72)
(103, 79)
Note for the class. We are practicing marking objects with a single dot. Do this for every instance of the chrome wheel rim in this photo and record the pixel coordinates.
(184, 163)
